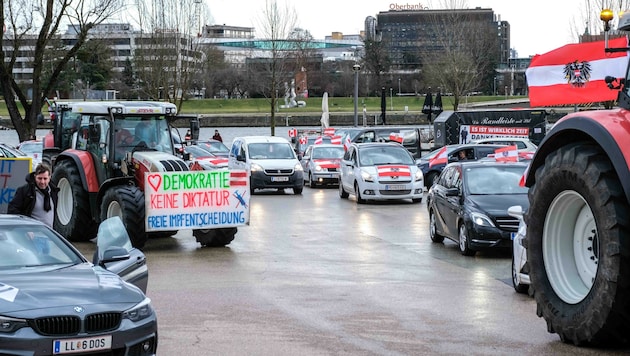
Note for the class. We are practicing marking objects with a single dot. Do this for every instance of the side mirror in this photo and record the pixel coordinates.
(240, 157)
(113, 254)
(515, 211)
(452, 192)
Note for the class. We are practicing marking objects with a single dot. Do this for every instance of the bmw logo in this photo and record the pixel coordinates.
(78, 309)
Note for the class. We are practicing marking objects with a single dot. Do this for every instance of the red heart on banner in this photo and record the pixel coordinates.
(155, 181)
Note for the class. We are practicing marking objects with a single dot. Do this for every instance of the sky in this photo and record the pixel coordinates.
(537, 26)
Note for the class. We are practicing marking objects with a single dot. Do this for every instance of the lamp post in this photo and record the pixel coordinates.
(494, 87)
(398, 86)
(356, 68)
(391, 98)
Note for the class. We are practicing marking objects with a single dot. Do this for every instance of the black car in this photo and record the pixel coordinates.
(54, 301)
(468, 152)
(469, 201)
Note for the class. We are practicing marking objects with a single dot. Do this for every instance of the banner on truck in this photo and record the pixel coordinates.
(196, 199)
(470, 133)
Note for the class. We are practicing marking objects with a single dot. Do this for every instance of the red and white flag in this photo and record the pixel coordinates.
(440, 158)
(396, 137)
(329, 131)
(393, 171)
(506, 154)
(238, 178)
(574, 73)
(335, 140)
(347, 143)
(319, 140)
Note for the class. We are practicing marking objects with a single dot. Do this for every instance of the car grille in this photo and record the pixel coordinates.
(507, 223)
(395, 192)
(71, 325)
(172, 165)
(332, 170)
(273, 172)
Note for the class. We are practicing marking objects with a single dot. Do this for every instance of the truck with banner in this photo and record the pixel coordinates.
(460, 127)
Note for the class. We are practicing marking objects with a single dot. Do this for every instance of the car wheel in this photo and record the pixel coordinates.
(430, 179)
(297, 190)
(342, 192)
(435, 237)
(357, 193)
(463, 241)
(311, 182)
(215, 237)
(518, 286)
(578, 250)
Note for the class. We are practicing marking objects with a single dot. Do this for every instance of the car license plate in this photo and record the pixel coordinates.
(395, 187)
(279, 179)
(70, 346)
(512, 236)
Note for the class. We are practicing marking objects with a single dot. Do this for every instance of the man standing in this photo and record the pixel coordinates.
(37, 198)
(217, 136)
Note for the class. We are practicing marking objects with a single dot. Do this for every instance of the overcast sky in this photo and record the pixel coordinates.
(537, 26)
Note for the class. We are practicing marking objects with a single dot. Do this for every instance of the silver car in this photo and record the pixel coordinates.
(53, 301)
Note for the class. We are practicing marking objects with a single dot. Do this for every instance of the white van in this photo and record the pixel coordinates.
(270, 162)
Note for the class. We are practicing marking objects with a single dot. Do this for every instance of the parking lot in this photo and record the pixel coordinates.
(317, 275)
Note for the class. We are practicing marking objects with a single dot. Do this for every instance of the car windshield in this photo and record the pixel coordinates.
(32, 246)
(215, 147)
(381, 155)
(196, 151)
(31, 147)
(269, 150)
(327, 152)
(503, 179)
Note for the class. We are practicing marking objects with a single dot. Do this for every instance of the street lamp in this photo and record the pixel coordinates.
(494, 87)
(398, 86)
(391, 98)
(356, 68)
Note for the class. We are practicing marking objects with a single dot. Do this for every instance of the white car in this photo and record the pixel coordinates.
(520, 269)
(522, 144)
(380, 171)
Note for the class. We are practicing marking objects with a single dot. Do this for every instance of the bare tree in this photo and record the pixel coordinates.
(33, 25)
(168, 57)
(377, 62)
(469, 51)
(275, 24)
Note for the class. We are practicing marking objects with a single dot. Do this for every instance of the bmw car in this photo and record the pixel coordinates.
(469, 204)
(380, 171)
(53, 301)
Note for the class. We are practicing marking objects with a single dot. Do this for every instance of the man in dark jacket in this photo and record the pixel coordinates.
(37, 198)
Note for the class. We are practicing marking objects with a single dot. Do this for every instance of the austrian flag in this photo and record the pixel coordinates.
(574, 73)
(393, 171)
(506, 154)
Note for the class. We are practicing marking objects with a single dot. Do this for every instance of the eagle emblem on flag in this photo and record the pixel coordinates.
(577, 73)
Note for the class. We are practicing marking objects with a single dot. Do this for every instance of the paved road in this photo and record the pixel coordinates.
(317, 275)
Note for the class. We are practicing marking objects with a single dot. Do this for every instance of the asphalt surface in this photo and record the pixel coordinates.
(314, 274)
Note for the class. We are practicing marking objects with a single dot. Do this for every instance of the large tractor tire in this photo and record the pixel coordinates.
(579, 247)
(215, 237)
(128, 203)
(74, 219)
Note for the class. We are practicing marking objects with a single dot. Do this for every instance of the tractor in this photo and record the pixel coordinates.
(99, 153)
(578, 222)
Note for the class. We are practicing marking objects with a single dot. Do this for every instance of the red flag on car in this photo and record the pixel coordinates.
(440, 158)
(574, 73)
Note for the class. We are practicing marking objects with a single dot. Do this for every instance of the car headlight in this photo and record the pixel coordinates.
(256, 168)
(9, 325)
(481, 219)
(318, 168)
(141, 311)
(298, 167)
(367, 177)
(418, 176)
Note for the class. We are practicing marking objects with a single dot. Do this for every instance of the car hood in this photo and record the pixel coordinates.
(78, 285)
(497, 205)
(287, 163)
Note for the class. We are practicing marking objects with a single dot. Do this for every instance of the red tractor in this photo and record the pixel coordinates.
(578, 222)
(100, 152)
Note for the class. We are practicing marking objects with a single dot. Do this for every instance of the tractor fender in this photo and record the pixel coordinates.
(608, 129)
(85, 165)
